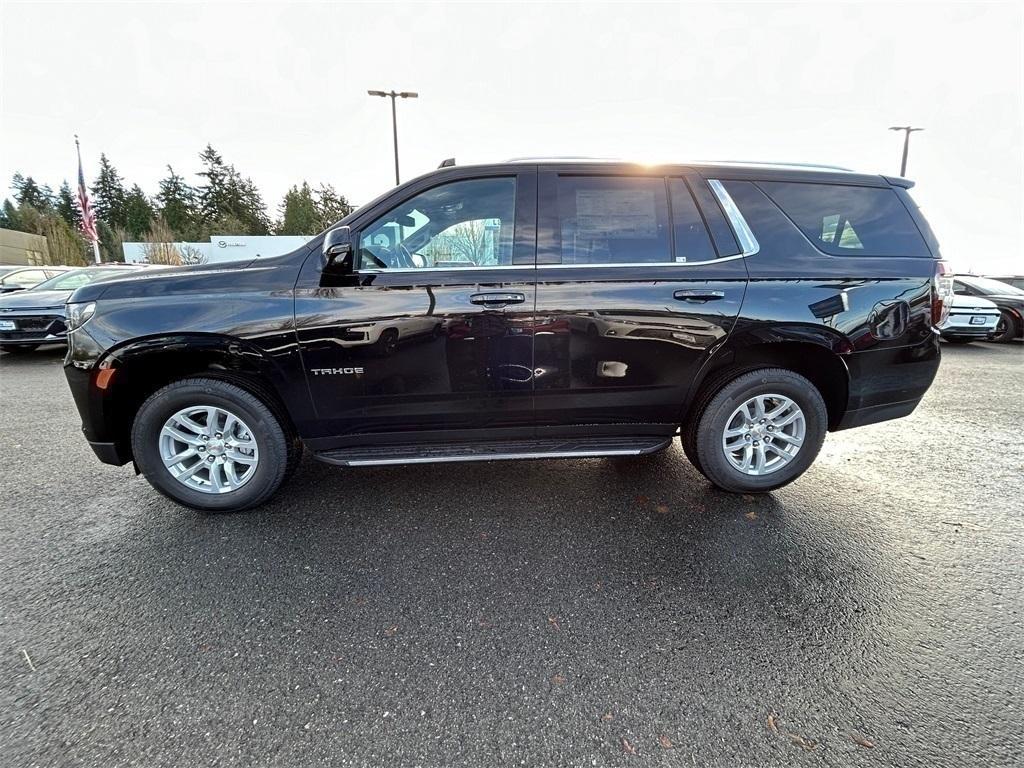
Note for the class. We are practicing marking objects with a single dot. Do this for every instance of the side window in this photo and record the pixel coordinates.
(691, 236)
(457, 225)
(848, 220)
(613, 220)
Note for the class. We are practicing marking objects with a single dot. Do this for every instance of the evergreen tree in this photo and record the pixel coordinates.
(213, 195)
(28, 192)
(176, 205)
(110, 242)
(9, 218)
(331, 207)
(252, 209)
(299, 215)
(109, 195)
(67, 207)
(228, 197)
(138, 213)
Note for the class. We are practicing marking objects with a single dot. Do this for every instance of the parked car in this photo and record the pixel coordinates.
(35, 316)
(970, 319)
(1016, 282)
(1010, 301)
(747, 309)
(14, 278)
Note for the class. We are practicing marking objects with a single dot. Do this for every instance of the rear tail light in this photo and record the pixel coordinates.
(942, 292)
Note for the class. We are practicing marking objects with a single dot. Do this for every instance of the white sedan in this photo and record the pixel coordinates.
(970, 319)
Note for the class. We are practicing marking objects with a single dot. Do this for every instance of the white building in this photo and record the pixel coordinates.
(229, 247)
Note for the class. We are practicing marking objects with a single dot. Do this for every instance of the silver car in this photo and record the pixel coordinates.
(36, 316)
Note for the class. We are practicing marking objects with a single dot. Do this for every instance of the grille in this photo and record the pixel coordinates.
(35, 326)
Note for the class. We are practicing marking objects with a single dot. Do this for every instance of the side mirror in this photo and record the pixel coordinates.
(337, 250)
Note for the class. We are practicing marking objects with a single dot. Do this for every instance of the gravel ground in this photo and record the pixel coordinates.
(593, 612)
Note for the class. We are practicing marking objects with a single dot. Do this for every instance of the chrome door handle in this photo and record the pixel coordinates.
(497, 299)
(698, 295)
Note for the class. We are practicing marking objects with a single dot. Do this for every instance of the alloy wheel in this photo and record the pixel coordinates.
(764, 434)
(208, 449)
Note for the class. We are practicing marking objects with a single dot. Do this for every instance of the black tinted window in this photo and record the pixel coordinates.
(692, 240)
(613, 220)
(849, 221)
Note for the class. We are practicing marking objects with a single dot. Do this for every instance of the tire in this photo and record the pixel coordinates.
(18, 349)
(722, 404)
(388, 342)
(276, 455)
(710, 388)
(1006, 330)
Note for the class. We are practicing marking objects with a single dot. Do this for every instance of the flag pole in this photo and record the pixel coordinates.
(83, 201)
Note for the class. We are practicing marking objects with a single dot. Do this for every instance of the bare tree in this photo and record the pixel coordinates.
(159, 245)
(191, 255)
(470, 241)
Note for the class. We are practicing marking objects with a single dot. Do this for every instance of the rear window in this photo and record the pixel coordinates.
(849, 221)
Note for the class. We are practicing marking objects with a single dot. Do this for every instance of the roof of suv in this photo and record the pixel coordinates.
(725, 169)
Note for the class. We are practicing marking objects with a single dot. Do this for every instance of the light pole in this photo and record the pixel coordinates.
(394, 118)
(907, 130)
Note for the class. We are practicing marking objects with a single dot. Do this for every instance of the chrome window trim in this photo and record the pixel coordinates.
(744, 236)
(428, 270)
(643, 263)
(616, 265)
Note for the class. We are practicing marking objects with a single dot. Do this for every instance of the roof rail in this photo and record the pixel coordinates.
(770, 164)
(817, 166)
(536, 158)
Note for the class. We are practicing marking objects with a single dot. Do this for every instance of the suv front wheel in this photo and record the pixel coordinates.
(759, 432)
(210, 445)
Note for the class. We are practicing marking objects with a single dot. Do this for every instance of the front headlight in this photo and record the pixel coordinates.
(79, 314)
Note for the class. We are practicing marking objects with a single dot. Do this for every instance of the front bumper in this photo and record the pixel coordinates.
(967, 333)
(97, 416)
(959, 325)
(110, 453)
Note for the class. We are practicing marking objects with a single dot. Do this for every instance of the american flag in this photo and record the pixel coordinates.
(88, 215)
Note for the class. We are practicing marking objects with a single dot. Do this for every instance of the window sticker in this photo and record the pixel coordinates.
(616, 214)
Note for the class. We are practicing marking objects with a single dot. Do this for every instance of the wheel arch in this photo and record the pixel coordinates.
(815, 358)
(142, 366)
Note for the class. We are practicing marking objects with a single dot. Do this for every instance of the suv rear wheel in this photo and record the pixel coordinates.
(210, 445)
(760, 431)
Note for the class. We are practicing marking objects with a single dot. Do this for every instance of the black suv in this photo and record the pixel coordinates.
(530, 309)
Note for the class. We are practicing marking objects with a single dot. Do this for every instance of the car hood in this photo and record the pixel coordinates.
(146, 282)
(33, 299)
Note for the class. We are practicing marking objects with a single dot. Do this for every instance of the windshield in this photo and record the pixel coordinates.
(7, 270)
(988, 286)
(79, 277)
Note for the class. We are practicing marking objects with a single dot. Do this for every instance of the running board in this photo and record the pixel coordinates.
(543, 448)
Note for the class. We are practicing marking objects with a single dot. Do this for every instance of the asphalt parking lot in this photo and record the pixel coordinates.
(568, 613)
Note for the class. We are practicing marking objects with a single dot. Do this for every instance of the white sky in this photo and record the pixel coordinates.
(280, 90)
